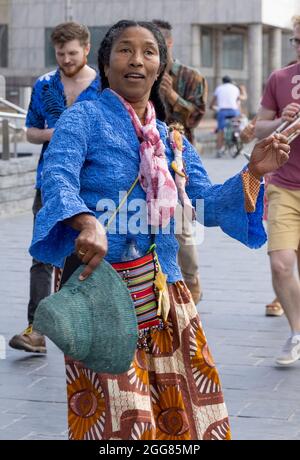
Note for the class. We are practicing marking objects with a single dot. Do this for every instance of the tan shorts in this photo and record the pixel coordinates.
(283, 218)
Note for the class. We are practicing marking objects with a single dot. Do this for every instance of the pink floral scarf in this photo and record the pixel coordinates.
(154, 175)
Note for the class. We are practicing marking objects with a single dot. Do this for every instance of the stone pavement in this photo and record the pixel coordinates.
(263, 401)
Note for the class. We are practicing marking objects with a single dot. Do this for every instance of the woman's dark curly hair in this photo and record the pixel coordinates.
(106, 46)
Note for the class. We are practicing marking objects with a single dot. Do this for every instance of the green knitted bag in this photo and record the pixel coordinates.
(92, 321)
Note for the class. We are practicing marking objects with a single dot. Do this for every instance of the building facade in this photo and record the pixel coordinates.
(241, 38)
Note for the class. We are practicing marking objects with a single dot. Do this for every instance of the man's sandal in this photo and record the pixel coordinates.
(274, 308)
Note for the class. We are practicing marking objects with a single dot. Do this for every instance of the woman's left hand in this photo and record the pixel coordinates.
(268, 155)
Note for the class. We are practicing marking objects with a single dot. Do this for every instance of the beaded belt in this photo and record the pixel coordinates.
(139, 275)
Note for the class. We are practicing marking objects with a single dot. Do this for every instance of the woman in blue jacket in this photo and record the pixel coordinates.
(172, 389)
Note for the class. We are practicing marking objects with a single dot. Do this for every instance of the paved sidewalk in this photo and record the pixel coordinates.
(263, 401)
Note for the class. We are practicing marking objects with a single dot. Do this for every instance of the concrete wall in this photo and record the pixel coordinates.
(4, 11)
(224, 11)
(17, 179)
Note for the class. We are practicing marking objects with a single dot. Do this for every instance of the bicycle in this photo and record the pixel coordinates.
(232, 141)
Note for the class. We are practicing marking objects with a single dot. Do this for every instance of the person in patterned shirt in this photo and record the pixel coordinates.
(184, 93)
(183, 89)
(73, 81)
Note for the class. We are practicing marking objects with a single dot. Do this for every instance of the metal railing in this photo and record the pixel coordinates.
(11, 122)
(15, 107)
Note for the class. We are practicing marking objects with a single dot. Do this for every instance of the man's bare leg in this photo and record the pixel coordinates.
(287, 288)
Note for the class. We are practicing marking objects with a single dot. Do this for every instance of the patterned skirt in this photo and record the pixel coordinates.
(172, 391)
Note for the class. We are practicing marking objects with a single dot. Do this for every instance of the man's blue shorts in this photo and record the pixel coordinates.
(222, 114)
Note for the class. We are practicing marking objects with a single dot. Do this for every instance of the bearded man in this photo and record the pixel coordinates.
(73, 81)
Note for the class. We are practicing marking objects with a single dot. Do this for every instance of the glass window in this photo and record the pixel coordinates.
(233, 51)
(97, 34)
(50, 60)
(3, 45)
(206, 48)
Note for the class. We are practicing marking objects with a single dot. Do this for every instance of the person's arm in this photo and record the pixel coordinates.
(65, 223)
(243, 93)
(269, 109)
(266, 122)
(213, 104)
(248, 133)
(226, 205)
(191, 109)
(238, 99)
(35, 120)
(270, 116)
(39, 136)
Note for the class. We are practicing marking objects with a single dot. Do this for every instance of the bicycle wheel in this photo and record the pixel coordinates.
(230, 149)
(237, 149)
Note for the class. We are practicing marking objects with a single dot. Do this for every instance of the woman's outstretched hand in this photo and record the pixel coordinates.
(269, 154)
(91, 243)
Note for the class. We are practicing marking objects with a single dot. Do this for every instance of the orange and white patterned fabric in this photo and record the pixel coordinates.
(172, 392)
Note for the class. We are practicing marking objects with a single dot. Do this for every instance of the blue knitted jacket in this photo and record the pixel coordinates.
(94, 155)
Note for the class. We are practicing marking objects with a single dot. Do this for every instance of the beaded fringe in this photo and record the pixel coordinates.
(145, 336)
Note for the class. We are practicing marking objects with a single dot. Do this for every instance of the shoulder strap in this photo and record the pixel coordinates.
(121, 204)
(153, 245)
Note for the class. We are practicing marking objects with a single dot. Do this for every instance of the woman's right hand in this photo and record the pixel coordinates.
(91, 243)
(269, 154)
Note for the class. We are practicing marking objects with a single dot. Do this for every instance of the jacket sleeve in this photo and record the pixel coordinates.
(35, 117)
(224, 204)
(192, 109)
(52, 239)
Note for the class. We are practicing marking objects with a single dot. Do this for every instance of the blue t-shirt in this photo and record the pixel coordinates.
(48, 102)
